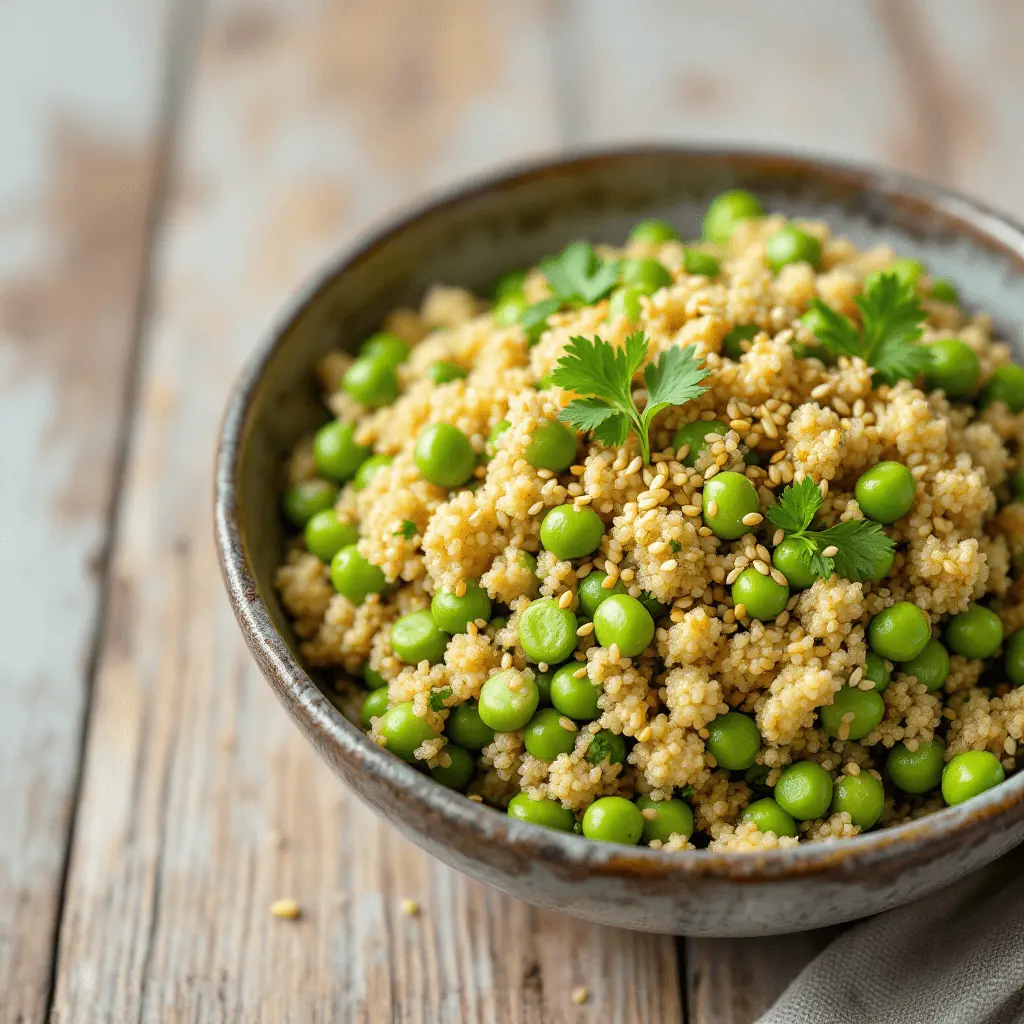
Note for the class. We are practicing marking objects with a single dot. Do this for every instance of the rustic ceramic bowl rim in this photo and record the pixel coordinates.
(923, 837)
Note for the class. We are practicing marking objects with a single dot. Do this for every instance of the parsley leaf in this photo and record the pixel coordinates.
(407, 530)
(863, 547)
(891, 317)
(604, 374)
(578, 274)
(437, 698)
(534, 320)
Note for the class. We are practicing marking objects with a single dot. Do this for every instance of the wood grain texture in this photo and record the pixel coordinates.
(202, 804)
(77, 185)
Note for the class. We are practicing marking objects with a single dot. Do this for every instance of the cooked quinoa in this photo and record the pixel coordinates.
(784, 413)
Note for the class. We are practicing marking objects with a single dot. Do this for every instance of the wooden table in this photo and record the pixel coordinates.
(170, 173)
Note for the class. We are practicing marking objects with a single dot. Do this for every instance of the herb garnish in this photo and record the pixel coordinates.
(891, 317)
(605, 374)
(578, 274)
(406, 530)
(862, 546)
(437, 698)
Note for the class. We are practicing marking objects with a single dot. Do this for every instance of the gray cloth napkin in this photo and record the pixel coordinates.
(955, 957)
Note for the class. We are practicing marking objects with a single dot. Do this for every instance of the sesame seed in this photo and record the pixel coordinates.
(586, 629)
(580, 995)
(761, 567)
(568, 724)
(831, 551)
(752, 519)
(740, 611)
(286, 909)
(712, 509)
(410, 908)
(580, 673)
(778, 538)
(779, 578)
(566, 599)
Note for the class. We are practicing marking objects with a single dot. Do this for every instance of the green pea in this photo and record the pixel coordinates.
(728, 498)
(372, 678)
(527, 561)
(498, 622)
(756, 776)
(944, 291)
(804, 790)
(404, 731)
(510, 283)
(552, 446)
(374, 705)
(508, 700)
(970, 774)
(733, 741)
(701, 263)
(304, 500)
(654, 607)
(606, 746)
(575, 698)
(443, 372)
(354, 576)
(622, 620)
(417, 637)
(369, 469)
(861, 796)
(592, 591)
(762, 597)
(509, 311)
(614, 819)
(790, 557)
(1014, 658)
(886, 492)
(466, 728)
(326, 534)
(975, 633)
(916, 771)
(457, 773)
(453, 614)
(645, 273)
(693, 437)
(372, 381)
(653, 232)
(875, 669)
(492, 438)
(543, 681)
(444, 455)
(732, 343)
(792, 245)
(767, 816)
(625, 302)
(1005, 385)
(385, 346)
(335, 452)
(545, 736)
(861, 711)
(952, 366)
(930, 667)
(726, 210)
(664, 819)
(547, 633)
(908, 272)
(1016, 482)
(900, 632)
(549, 813)
(568, 531)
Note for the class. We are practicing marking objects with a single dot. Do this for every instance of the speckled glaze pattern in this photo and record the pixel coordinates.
(468, 238)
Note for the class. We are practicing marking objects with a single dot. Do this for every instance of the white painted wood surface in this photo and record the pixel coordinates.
(300, 123)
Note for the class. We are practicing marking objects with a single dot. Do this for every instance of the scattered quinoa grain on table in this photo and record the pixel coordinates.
(696, 545)
(286, 909)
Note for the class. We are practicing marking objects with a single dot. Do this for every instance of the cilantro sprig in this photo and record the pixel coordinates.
(891, 318)
(861, 547)
(578, 274)
(604, 374)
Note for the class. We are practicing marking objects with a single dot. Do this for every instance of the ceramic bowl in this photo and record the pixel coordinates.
(468, 238)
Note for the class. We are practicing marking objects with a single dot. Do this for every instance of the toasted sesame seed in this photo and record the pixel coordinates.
(566, 599)
(712, 509)
(740, 611)
(778, 538)
(580, 995)
(831, 551)
(586, 629)
(286, 909)
(410, 908)
(752, 519)
(568, 724)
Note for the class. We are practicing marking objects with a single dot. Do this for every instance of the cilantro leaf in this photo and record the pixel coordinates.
(891, 318)
(796, 507)
(534, 320)
(674, 379)
(437, 698)
(862, 547)
(578, 274)
(604, 374)
(408, 530)
(610, 425)
(836, 332)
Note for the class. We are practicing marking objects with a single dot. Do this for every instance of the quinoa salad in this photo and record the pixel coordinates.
(712, 544)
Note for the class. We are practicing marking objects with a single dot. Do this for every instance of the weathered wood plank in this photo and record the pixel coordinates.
(306, 121)
(77, 184)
